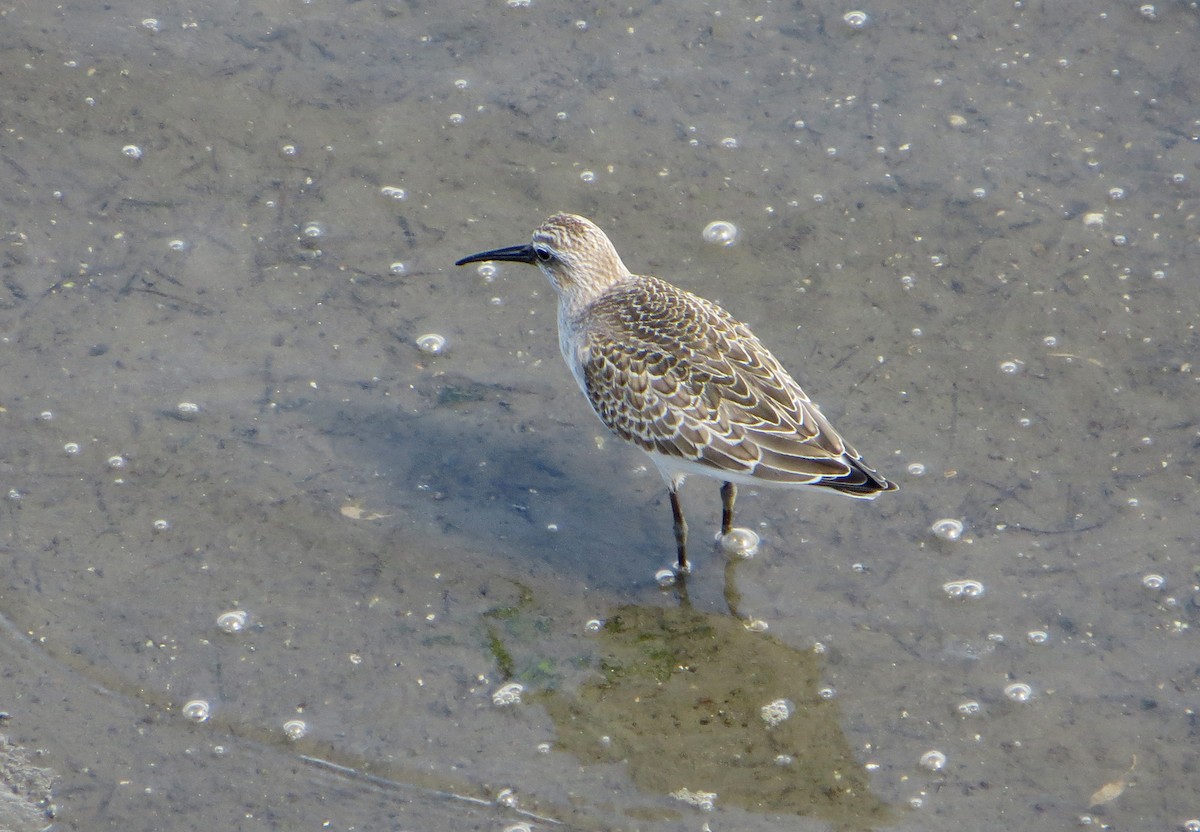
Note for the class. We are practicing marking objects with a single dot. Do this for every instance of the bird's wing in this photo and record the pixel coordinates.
(676, 374)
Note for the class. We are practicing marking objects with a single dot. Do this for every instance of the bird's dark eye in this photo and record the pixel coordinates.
(543, 254)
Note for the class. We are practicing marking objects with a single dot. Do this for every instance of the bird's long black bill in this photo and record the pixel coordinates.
(513, 254)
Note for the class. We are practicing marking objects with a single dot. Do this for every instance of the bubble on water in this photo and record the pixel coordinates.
(979, 193)
(1037, 637)
(1178, 178)
(455, 118)
(71, 448)
(187, 410)
(819, 199)
(1018, 692)
(947, 529)
(588, 176)
(1191, 825)
(964, 588)
(14, 494)
(968, 707)
(1120, 240)
(907, 281)
(161, 525)
(398, 269)
(856, 19)
(827, 692)
(313, 230)
(729, 143)
(393, 192)
(594, 625)
(506, 798)
(46, 416)
(1148, 11)
(784, 759)
(776, 712)
(117, 462)
(509, 694)
(431, 344)
(1011, 366)
(519, 826)
(720, 232)
(487, 271)
(196, 710)
(543, 748)
(581, 25)
(132, 151)
(933, 760)
(178, 245)
(461, 83)
(1116, 194)
(232, 621)
(1158, 274)
(295, 729)
(289, 151)
(1153, 580)
(916, 469)
(705, 801)
(756, 625)
(916, 802)
(152, 25)
(519, 4)
(740, 543)
(665, 578)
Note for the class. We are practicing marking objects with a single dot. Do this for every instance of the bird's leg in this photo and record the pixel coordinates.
(728, 495)
(680, 533)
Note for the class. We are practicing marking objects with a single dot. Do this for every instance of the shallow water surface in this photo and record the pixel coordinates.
(970, 234)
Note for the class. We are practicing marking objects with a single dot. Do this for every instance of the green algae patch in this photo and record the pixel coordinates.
(702, 709)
